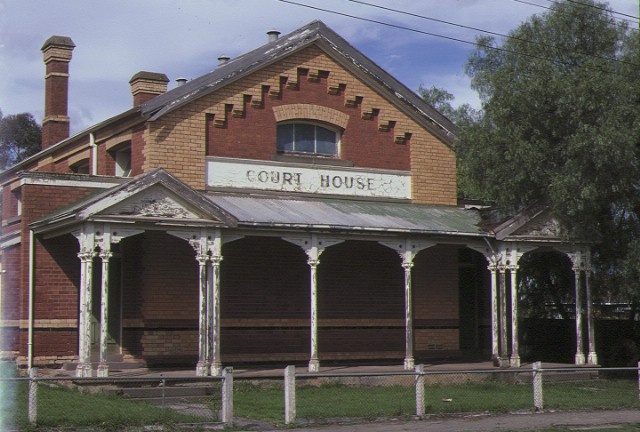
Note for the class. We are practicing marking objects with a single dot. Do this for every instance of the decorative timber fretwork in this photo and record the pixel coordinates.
(543, 228)
(153, 202)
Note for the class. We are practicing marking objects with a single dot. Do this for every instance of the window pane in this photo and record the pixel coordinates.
(285, 137)
(326, 141)
(305, 138)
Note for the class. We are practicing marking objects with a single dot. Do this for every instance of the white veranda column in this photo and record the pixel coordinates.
(314, 246)
(577, 270)
(515, 354)
(314, 361)
(105, 256)
(86, 254)
(214, 248)
(202, 368)
(214, 315)
(408, 249)
(504, 356)
(495, 325)
(206, 244)
(592, 357)
(407, 264)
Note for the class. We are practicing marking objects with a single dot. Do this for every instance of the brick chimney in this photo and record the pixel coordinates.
(56, 53)
(147, 85)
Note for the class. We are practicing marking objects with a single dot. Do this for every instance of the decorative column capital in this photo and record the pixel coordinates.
(105, 255)
(215, 260)
(202, 258)
(313, 262)
(86, 256)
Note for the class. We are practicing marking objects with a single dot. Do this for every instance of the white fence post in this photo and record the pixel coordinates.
(538, 397)
(638, 380)
(227, 395)
(33, 396)
(420, 390)
(289, 394)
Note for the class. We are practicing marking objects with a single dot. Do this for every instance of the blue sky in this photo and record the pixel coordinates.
(117, 38)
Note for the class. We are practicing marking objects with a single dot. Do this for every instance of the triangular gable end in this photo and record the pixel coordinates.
(532, 225)
(155, 197)
(318, 34)
(155, 202)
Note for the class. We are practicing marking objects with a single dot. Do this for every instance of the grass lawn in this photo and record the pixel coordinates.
(337, 401)
(58, 407)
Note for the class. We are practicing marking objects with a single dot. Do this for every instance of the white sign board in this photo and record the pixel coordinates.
(272, 176)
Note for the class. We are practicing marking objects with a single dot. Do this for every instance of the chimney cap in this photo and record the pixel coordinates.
(149, 76)
(223, 59)
(58, 41)
(273, 35)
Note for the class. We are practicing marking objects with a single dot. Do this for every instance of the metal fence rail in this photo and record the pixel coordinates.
(59, 400)
(418, 393)
(313, 397)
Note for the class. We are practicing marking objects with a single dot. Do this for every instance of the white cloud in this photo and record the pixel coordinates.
(117, 38)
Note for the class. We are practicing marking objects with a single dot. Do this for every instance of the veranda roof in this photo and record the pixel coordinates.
(349, 215)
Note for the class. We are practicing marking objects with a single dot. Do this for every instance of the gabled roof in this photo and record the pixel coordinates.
(155, 198)
(316, 33)
(536, 223)
(333, 45)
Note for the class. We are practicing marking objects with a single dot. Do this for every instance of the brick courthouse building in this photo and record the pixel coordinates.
(296, 204)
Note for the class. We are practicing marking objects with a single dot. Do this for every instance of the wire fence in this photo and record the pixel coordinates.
(113, 401)
(299, 398)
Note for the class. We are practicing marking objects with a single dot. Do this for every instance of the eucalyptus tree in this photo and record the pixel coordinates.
(559, 125)
(20, 137)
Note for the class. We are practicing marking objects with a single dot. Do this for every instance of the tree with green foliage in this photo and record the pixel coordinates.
(20, 137)
(560, 125)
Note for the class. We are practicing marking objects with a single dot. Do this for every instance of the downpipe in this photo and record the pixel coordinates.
(31, 294)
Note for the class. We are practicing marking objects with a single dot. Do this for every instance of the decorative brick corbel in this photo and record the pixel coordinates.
(352, 101)
(403, 138)
(386, 125)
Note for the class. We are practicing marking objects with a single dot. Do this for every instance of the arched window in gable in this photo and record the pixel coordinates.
(308, 138)
(309, 129)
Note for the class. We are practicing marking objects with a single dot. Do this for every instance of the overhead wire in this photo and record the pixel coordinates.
(414, 30)
(631, 18)
(399, 11)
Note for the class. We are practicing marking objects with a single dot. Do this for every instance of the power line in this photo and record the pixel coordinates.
(633, 19)
(477, 29)
(486, 46)
(601, 9)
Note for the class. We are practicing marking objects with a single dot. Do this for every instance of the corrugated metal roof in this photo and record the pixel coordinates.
(341, 214)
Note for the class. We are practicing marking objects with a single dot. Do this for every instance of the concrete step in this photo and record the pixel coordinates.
(115, 363)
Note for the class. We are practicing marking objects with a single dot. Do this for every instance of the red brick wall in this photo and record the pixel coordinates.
(57, 278)
(265, 301)
(436, 299)
(254, 135)
(53, 346)
(56, 261)
(137, 150)
(10, 299)
(160, 296)
(264, 278)
(39, 201)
